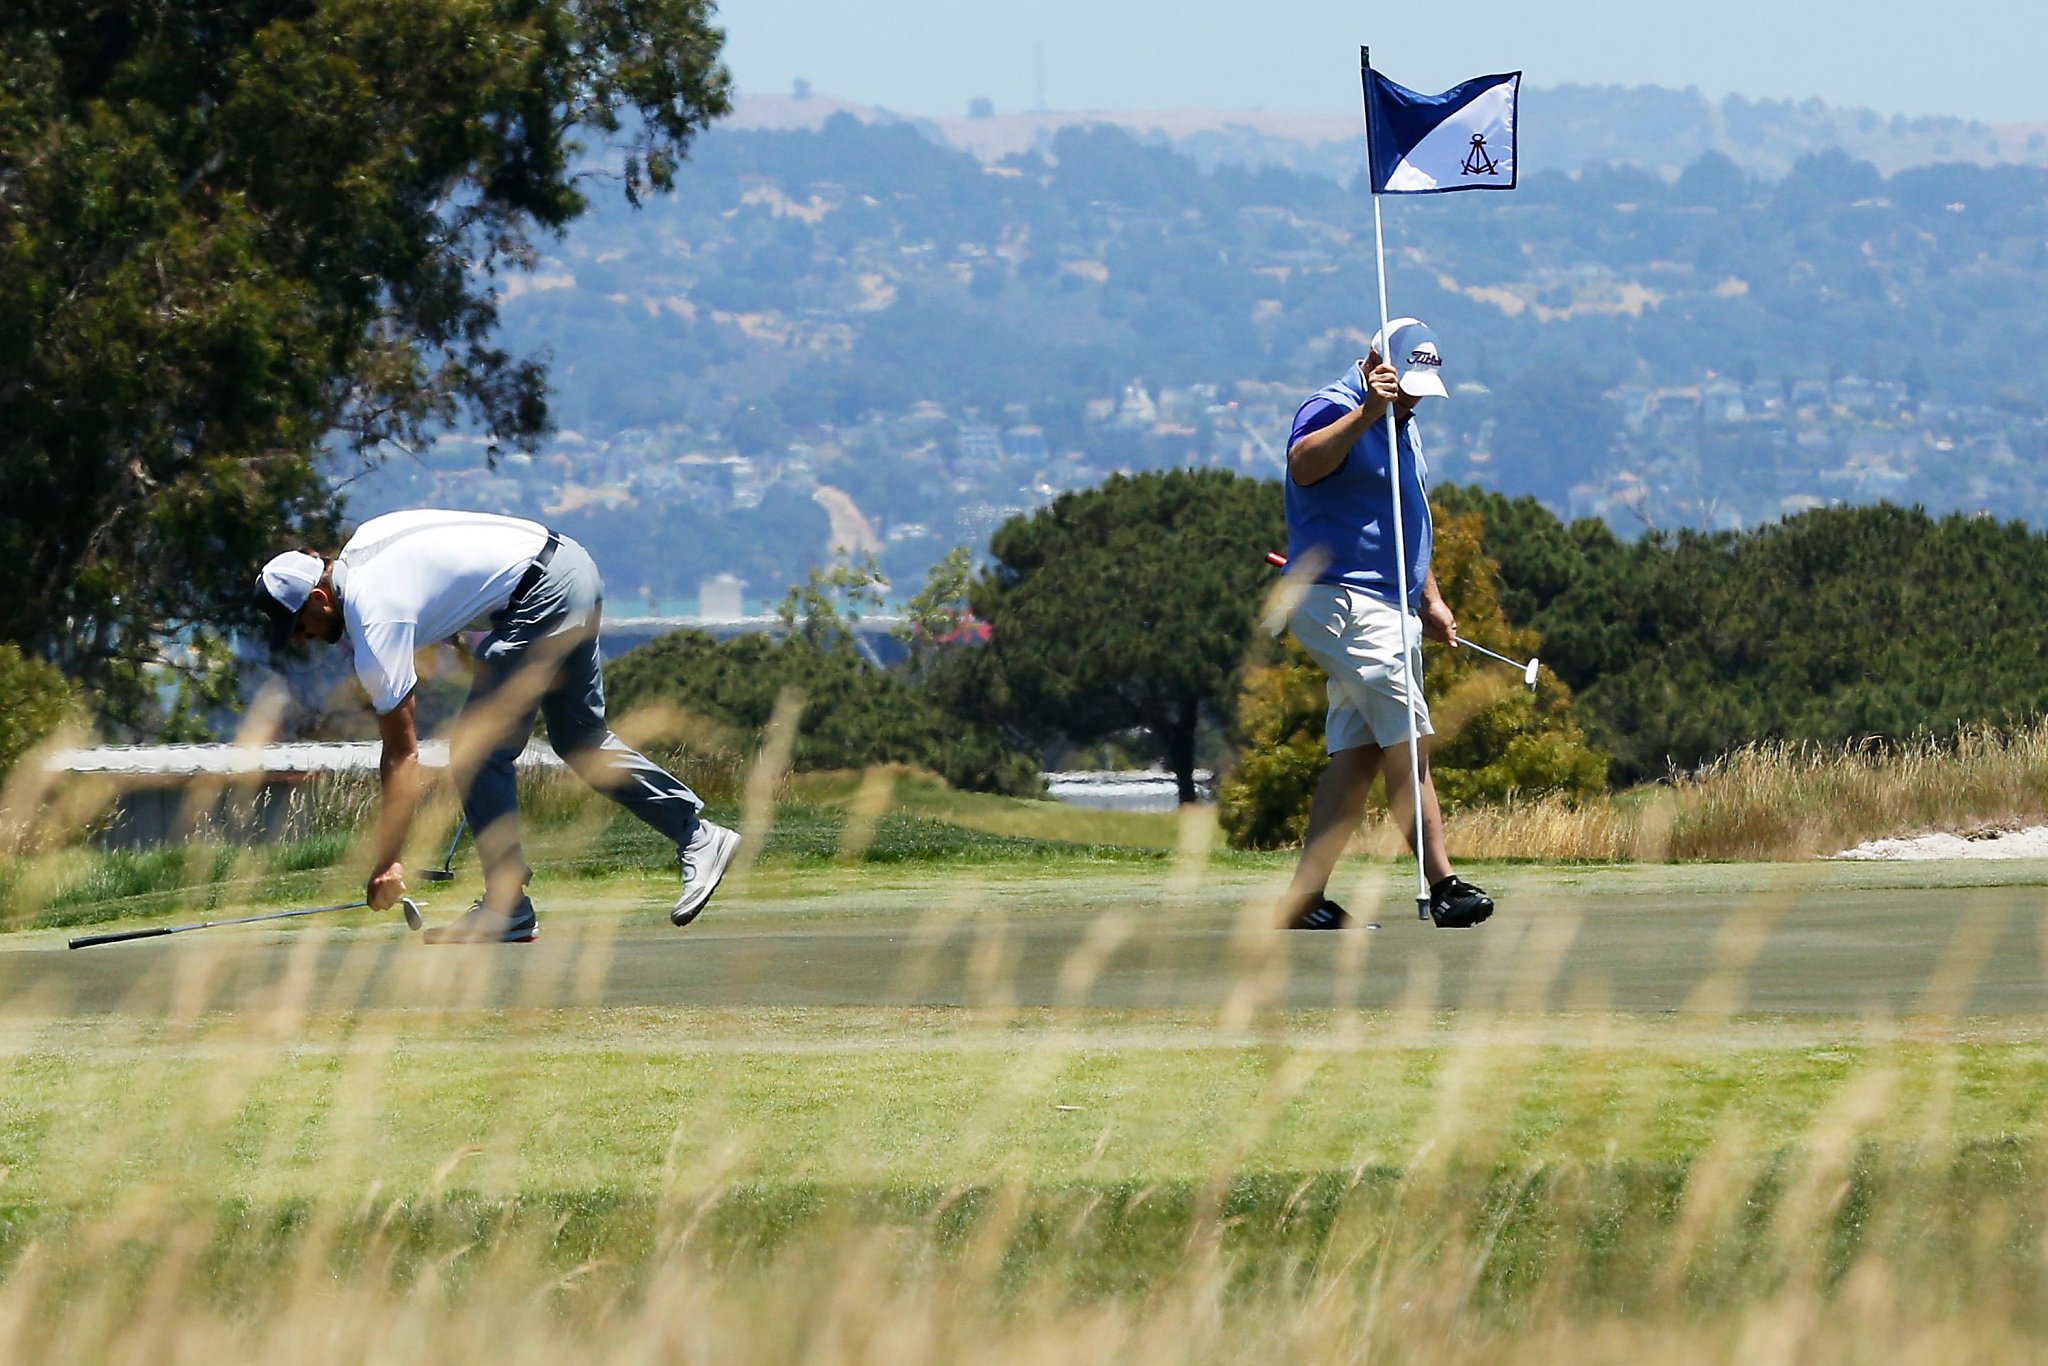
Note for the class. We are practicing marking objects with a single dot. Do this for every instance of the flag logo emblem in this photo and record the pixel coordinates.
(1477, 161)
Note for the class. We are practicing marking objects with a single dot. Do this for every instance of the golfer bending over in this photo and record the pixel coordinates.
(1340, 517)
(408, 580)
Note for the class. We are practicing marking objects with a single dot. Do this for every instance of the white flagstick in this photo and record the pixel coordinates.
(1400, 548)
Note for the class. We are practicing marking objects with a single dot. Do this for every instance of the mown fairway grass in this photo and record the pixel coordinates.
(941, 1089)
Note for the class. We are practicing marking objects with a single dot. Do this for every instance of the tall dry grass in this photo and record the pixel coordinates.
(144, 1236)
(1783, 801)
(145, 1216)
(1423, 1268)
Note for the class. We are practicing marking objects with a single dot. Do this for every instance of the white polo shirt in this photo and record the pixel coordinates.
(412, 579)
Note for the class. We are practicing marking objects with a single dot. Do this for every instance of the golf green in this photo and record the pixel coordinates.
(1774, 939)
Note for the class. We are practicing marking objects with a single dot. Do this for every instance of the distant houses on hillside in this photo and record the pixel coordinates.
(1717, 452)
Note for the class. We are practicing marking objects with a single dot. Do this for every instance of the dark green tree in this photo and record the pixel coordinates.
(1129, 606)
(35, 702)
(854, 714)
(236, 235)
(937, 617)
(1838, 625)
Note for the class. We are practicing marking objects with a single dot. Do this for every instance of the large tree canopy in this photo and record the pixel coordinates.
(1129, 606)
(232, 232)
(1838, 625)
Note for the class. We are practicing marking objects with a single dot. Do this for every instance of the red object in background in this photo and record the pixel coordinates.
(1276, 559)
(966, 629)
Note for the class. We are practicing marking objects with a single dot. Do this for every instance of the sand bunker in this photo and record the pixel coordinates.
(2031, 842)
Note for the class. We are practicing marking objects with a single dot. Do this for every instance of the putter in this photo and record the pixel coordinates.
(1528, 670)
(445, 872)
(410, 907)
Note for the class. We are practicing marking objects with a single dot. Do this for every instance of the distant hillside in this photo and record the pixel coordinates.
(1566, 127)
(860, 333)
(808, 278)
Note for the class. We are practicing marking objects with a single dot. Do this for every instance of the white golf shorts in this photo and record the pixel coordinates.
(1356, 637)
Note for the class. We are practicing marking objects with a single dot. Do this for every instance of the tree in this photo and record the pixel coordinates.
(233, 236)
(1712, 181)
(938, 615)
(1496, 741)
(854, 714)
(36, 701)
(824, 611)
(1837, 625)
(1130, 606)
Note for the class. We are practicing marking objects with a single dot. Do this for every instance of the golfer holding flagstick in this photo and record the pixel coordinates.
(1344, 526)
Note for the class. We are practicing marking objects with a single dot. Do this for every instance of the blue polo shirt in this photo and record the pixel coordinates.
(1349, 513)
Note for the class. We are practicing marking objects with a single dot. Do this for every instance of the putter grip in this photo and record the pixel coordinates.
(87, 941)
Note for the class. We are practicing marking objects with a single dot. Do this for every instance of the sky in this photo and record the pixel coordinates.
(1978, 59)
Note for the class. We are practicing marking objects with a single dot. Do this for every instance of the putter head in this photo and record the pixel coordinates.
(437, 875)
(412, 912)
(1529, 674)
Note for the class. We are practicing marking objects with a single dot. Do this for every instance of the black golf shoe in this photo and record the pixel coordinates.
(1324, 915)
(482, 925)
(1455, 904)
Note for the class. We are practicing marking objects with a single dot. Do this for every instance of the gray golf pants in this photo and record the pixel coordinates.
(541, 658)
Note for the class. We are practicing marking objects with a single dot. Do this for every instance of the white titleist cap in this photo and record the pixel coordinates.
(282, 589)
(1415, 357)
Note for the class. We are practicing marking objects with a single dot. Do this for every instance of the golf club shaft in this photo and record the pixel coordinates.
(446, 873)
(88, 941)
(1493, 654)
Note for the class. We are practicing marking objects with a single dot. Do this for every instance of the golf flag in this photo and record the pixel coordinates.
(1463, 139)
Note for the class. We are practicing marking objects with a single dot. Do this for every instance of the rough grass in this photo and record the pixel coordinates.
(288, 1181)
(238, 1160)
(1782, 801)
(228, 1154)
(578, 834)
(1766, 802)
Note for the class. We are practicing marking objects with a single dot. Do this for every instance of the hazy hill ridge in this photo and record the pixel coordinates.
(940, 340)
(1566, 127)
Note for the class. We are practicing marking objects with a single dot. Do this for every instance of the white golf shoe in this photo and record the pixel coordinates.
(704, 861)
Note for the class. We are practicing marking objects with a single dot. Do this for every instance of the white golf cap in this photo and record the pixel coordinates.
(282, 589)
(1415, 357)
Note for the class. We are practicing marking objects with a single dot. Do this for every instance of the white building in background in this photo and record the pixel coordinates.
(722, 597)
(1721, 402)
(748, 483)
(1136, 408)
(979, 443)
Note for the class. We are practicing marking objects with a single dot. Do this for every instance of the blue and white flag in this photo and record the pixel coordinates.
(1463, 139)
